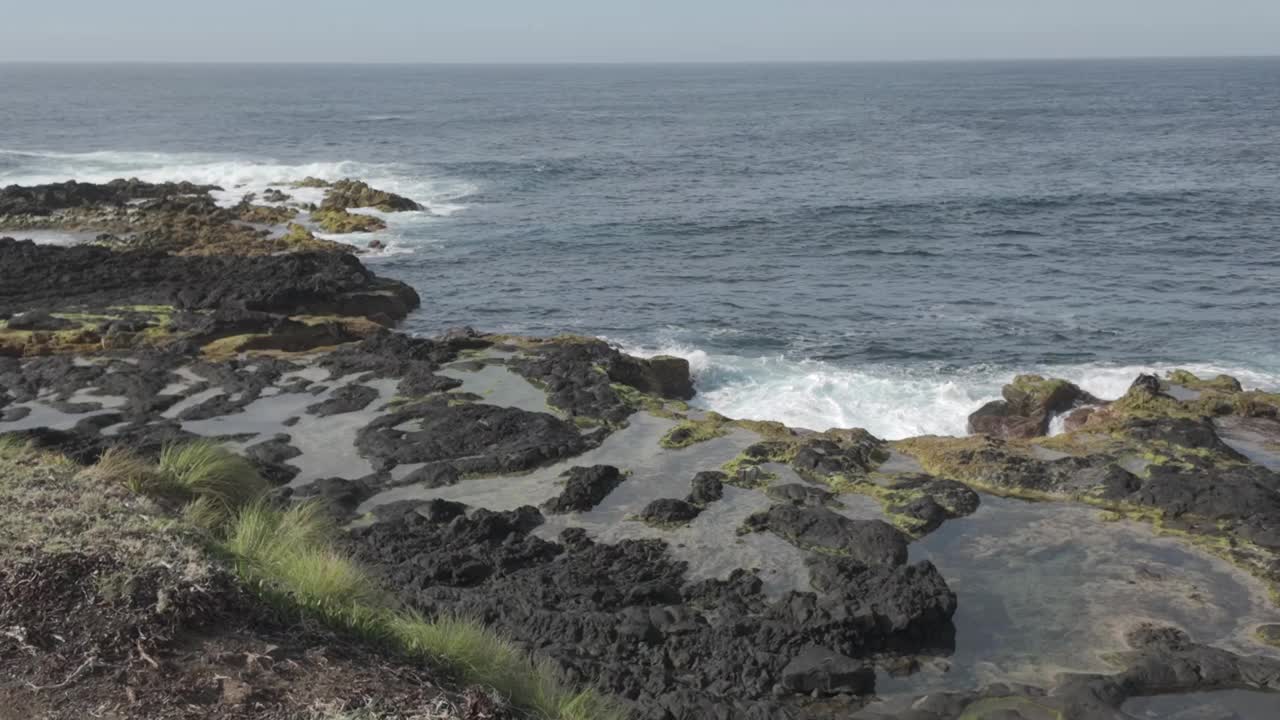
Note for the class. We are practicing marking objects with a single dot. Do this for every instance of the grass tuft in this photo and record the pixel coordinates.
(13, 447)
(122, 466)
(206, 469)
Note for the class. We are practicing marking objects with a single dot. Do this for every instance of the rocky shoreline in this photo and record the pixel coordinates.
(565, 493)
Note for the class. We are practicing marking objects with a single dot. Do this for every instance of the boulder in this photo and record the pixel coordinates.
(707, 487)
(1030, 403)
(662, 375)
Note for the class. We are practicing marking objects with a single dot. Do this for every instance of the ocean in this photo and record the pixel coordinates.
(851, 245)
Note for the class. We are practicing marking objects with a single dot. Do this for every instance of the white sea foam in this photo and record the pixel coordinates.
(237, 176)
(891, 402)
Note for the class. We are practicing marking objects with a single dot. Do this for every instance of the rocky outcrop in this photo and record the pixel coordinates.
(51, 278)
(662, 375)
(1029, 404)
(348, 193)
(44, 200)
(623, 615)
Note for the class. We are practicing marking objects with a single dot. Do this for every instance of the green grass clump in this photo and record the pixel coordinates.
(205, 470)
(123, 466)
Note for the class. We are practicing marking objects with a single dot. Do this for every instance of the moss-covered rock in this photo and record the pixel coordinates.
(348, 193)
(691, 432)
(341, 221)
(1187, 379)
(264, 214)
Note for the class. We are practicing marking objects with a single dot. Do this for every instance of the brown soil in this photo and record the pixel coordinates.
(79, 640)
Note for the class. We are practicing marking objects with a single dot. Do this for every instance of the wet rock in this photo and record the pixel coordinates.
(873, 542)
(1149, 384)
(707, 487)
(663, 375)
(1077, 418)
(1029, 404)
(346, 399)
(822, 671)
(584, 488)
(669, 511)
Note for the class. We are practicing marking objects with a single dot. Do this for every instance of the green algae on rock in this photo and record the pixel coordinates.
(348, 193)
(341, 221)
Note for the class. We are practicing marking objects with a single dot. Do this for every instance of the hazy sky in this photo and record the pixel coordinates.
(648, 30)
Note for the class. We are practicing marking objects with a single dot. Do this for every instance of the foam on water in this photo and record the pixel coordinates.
(890, 401)
(237, 176)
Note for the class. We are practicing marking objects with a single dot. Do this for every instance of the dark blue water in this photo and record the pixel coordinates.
(876, 244)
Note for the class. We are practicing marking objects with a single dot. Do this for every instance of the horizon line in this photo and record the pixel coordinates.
(490, 63)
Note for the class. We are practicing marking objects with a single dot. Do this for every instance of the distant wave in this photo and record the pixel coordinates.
(890, 401)
(237, 176)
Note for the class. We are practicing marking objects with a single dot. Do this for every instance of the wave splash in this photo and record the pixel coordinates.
(237, 176)
(891, 402)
